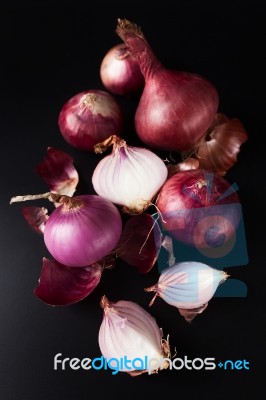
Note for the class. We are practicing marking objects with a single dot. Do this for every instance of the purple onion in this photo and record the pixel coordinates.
(82, 230)
(90, 117)
(120, 72)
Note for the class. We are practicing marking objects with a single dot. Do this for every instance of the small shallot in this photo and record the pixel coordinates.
(120, 72)
(188, 286)
(90, 117)
(129, 176)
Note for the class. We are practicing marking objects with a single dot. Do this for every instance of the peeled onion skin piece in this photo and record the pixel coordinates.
(176, 107)
(140, 242)
(218, 150)
(189, 315)
(58, 172)
(60, 285)
(36, 217)
(187, 164)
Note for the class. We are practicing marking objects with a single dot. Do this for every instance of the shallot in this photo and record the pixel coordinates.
(188, 286)
(90, 117)
(129, 331)
(120, 72)
(130, 176)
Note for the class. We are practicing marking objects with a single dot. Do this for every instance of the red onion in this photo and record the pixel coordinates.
(120, 72)
(82, 230)
(200, 209)
(90, 117)
(176, 108)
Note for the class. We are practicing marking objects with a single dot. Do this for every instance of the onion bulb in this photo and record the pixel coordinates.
(90, 117)
(120, 72)
(188, 285)
(176, 108)
(129, 176)
(128, 331)
(82, 230)
(200, 209)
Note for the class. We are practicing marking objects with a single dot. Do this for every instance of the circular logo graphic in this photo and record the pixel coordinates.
(214, 236)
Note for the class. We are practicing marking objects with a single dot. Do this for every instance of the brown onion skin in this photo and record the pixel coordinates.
(176, 107)
(186, 195)
(120, 72)
(85, 124)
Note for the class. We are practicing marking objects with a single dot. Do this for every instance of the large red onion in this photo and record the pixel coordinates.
(176, 108)
(90, 117)
(200, 209)
(83, 230)
(120, 72)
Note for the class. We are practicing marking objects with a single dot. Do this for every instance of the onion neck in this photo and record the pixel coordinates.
(105, 303)
(132, 35)
(112, 140)
(67, 201)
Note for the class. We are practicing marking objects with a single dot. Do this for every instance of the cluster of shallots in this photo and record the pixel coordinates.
(195, 204)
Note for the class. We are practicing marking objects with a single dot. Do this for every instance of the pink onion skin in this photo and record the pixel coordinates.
(36, 217)
(61, 286)
(189, 211)
(90, 117)
(120, 72)
(58, 172)
(82, 235)
(176, 108)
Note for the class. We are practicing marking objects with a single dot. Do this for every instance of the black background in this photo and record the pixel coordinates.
(51, 50)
